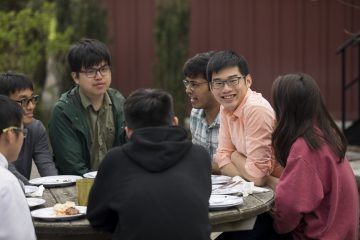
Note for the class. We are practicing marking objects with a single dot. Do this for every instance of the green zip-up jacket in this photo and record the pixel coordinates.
(69, 131)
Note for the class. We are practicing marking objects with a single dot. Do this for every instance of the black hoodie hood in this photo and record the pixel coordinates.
(157, 148)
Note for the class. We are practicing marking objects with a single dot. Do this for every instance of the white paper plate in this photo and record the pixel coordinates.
(30, 189)
(218, 179)
(224, 201)
(231, 190)
(33, 202)
(48, 214)
(55, 181)
(90, 174)
(214, 186)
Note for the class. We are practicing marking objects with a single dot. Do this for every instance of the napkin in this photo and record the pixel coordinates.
(248, 187)
(38, 193)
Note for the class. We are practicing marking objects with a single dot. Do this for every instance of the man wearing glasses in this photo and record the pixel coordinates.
(204, 117)
(246, 124)
(14, 211)
(36, 145)
(246, 121)
(87, 120)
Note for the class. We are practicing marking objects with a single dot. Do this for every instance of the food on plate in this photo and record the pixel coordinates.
(63, 180)
(67, 208)
(71, 211)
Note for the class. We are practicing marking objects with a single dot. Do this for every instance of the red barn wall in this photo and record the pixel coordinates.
(275, 36)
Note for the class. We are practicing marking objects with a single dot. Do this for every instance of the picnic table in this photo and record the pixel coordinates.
(221, 220)
(353, 154)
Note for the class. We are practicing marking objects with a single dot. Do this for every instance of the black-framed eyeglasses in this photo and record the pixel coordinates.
(25, 101)
(219, 84)
(91, 72)
(24, 131)
(192, 84)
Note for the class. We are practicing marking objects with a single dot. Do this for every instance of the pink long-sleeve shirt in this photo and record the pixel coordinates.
(248, 130)
(316, 197)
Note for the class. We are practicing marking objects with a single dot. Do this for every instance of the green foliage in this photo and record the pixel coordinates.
(81, 18)
(27, 39)
(11, 5)
(87, 17)
(34, 31)
(22, 38)
(171, 33)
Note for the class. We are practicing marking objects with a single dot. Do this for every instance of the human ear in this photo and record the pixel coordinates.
(175, 121)
(75, 77)
(128, 131)
(248, 81)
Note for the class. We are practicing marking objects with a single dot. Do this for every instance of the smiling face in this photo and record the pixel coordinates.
(94, 87)
(28, 107)
(230, 97)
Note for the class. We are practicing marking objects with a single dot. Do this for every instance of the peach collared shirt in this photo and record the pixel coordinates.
(248, 130)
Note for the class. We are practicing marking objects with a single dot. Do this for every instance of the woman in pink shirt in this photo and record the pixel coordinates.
(316, 197)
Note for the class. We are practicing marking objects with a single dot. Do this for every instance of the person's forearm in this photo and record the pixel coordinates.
(272, 182)
(43, 157)
(257, 181)
(215, 168)
(239, 161)
(229, 170)
(45, 165)
(17, 174)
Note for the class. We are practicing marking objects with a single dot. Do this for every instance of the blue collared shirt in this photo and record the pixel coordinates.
(202, 133)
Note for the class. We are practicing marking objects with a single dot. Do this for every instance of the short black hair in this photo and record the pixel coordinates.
(88, 53)
(11, 113)
(196, 65)
(148, 108)
(11, 82)
(225, 59)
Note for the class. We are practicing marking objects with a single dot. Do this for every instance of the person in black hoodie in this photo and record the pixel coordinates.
(157, 185)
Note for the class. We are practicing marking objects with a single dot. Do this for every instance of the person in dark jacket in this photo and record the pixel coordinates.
(87, 120)
(158, 184)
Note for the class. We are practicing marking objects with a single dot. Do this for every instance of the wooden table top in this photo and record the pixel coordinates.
(221, 220)
(353, 155)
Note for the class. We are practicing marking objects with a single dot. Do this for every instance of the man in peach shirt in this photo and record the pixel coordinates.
(246, 121)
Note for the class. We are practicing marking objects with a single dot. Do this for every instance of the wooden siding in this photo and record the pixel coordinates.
(275, 36)
(278, 37)
(130, 28)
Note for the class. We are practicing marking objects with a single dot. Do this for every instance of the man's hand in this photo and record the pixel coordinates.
(239, 161)
(215, 168)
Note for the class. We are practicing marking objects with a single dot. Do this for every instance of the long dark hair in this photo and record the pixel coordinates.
(301, 112)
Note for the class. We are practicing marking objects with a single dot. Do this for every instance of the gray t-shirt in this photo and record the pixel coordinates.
(35, 147)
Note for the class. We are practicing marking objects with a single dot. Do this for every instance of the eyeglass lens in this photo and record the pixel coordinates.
(24, 102)
(91, 73)
(192, 84)
(230, 82)
(24, 131)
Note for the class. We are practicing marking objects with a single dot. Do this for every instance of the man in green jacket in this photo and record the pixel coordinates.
(88, 120)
